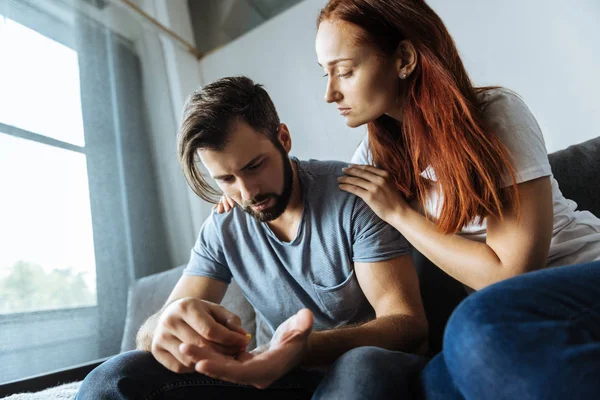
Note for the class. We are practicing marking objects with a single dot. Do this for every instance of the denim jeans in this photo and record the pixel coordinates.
(535, 336)
(362, 373)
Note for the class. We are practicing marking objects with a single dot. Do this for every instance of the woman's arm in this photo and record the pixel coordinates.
(513, 246)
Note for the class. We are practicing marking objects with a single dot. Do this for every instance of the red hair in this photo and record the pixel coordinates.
(442, 125)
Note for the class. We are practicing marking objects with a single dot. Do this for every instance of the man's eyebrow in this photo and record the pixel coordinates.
(253, 161)
(330, 63)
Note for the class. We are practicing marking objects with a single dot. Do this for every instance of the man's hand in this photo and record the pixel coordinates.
(262, 366)
(200, 323)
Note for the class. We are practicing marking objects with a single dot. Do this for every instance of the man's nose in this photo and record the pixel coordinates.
(248, 191)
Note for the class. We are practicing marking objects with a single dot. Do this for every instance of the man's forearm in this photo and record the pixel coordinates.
(394, 332)
(143, 339)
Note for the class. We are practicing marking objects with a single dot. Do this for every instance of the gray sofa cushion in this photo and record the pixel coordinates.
(577, 170)
(147, 295)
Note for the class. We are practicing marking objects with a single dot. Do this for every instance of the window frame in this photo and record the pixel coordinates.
(59, 30)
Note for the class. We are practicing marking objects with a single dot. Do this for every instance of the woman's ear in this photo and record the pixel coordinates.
(406, 59)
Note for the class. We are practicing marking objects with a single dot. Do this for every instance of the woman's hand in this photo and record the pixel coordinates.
(224, 205)
(376, 187)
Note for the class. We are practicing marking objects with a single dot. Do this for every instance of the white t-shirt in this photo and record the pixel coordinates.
(576, 234)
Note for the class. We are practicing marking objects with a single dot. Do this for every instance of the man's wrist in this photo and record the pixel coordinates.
(308, 359)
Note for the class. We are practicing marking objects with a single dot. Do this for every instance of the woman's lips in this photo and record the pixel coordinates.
(344, 111)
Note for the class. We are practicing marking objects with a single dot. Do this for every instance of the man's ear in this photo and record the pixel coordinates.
(284, 137)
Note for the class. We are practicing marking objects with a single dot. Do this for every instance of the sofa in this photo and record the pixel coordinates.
(575, 168)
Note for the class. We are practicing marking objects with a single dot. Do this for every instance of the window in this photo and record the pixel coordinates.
(47, 258)
(80, 216)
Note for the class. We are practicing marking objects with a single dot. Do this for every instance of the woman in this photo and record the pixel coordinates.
(462, 172)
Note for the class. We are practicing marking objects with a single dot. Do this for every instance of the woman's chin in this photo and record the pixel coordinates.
(354, 123)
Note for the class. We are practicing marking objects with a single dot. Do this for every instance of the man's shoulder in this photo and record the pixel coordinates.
(217, 225)
(322, 169)
(321, 186)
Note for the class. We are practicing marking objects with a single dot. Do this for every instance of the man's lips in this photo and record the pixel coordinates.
(262, 205)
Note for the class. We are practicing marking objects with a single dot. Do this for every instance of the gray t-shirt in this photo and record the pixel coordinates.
(316, 269)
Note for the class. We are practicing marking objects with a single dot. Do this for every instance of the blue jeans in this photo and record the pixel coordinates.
(362, 373)
(535, 336)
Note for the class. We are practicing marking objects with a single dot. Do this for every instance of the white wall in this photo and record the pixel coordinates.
(547, 50)
(184, 78)
(171, 75)
(281, 55)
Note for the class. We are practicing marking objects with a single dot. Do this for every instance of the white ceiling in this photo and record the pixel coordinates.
(217, 22)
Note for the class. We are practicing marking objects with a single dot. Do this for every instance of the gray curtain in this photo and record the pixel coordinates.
(129, 233)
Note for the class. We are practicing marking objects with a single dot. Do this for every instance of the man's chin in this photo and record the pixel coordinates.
(265, 215)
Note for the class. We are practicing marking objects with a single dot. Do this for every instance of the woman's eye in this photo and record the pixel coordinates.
(345, 75)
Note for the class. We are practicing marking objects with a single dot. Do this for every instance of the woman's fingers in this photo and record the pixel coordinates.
(371, 169)
(358, 182)
(224, 205)
(355, 190)
(230, 202)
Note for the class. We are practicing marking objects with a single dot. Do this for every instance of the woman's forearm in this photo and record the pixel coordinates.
(473, 263)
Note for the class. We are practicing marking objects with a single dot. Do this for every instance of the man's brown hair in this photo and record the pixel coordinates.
(208, 116)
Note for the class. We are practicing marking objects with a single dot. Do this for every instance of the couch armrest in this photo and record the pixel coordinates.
(51, 379)
(146, 296)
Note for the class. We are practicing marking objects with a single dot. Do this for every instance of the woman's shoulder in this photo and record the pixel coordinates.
(505, 112)
(494, 99)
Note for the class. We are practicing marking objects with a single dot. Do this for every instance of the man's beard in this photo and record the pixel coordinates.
(281, 200)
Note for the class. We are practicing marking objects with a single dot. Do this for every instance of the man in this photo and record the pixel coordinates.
(313, 260)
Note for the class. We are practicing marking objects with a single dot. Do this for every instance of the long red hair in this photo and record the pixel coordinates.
(441, 125)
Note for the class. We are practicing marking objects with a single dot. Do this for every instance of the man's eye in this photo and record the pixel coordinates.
(255, 166)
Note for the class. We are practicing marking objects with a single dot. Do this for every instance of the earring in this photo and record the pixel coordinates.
(403, 76)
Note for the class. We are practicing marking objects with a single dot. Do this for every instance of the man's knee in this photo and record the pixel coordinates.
(364, 363)
(371, 372)
(105, 380)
